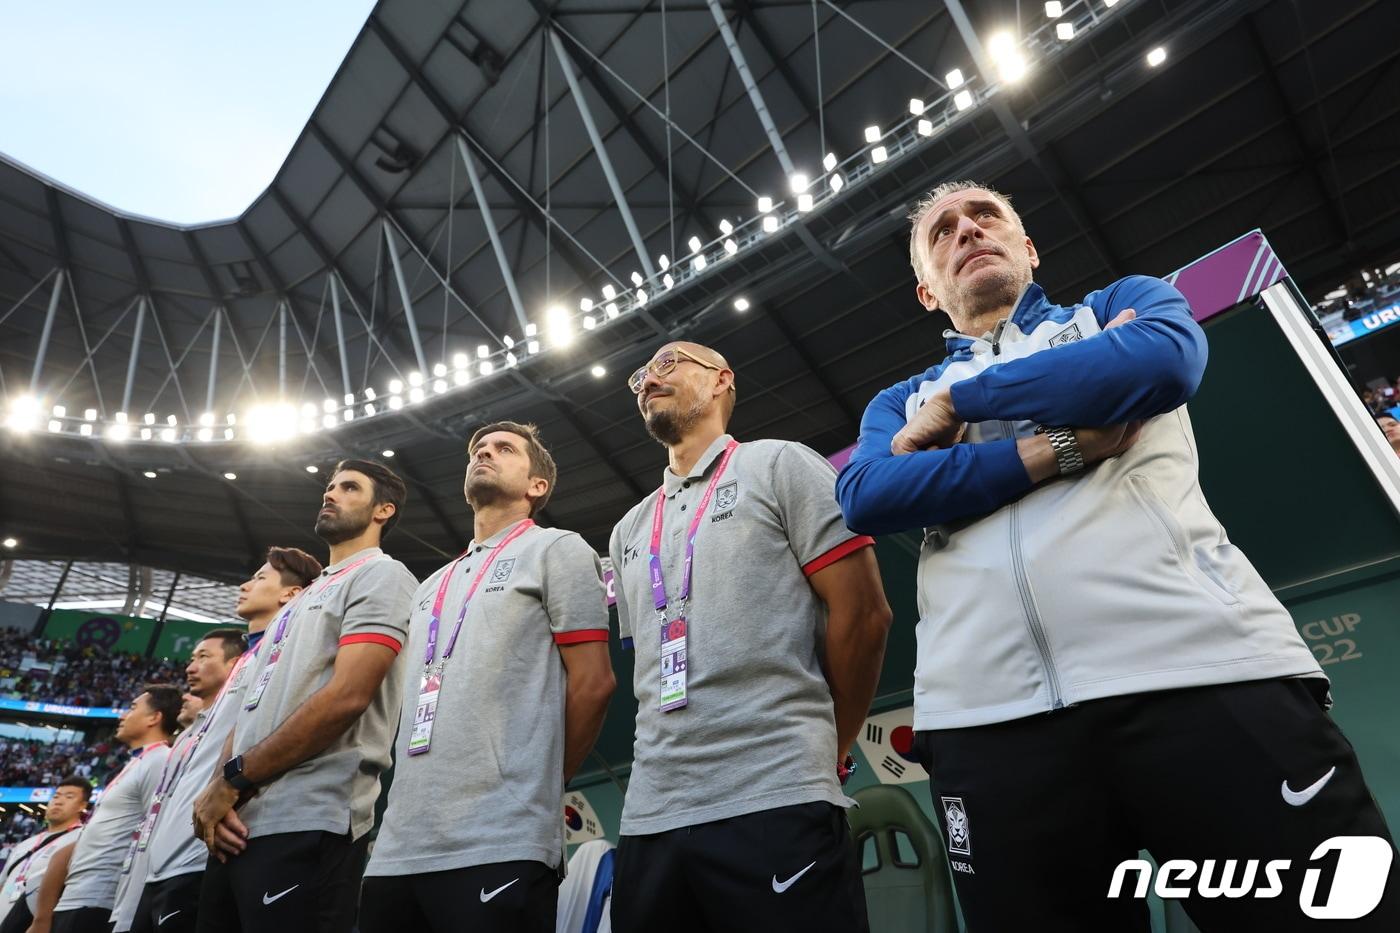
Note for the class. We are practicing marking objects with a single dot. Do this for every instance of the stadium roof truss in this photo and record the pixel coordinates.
(484, 182)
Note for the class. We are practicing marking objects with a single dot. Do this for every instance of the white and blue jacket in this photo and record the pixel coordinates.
(1112, 581)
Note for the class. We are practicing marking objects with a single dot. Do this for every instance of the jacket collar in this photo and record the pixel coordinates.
(962, 346)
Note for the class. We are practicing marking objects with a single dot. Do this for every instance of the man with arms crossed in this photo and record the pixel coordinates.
(1081, 608)
(759, 623)
(509, 679)
(288, 814)
(80, 886)
(24, 869)
(169, 900)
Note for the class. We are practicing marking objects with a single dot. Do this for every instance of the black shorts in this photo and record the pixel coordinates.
(791, 868)
(169, 906)
(18, 919)
(82, 920)
(504, 897)
(1049, 806)
(306, 882)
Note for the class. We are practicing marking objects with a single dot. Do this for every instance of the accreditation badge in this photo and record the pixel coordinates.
(673, 665)
(429, 686)
(143, 835)
(255, 695)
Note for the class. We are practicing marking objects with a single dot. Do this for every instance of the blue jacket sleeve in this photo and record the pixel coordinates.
(881, 493)
(1137, 370)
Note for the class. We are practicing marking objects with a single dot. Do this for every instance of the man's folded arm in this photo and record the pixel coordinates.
(881, 493)
(1138, 370)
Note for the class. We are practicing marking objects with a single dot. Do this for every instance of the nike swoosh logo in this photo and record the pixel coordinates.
(171, 914)
(277, 897)
(780, 886)
(486, 897)
(1296, 798)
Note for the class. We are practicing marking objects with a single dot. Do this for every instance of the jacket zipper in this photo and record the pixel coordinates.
(1018, 566)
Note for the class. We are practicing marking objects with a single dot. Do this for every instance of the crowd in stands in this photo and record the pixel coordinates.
(15, 826)
(32, 763)
(77, 676)
(1380, 401)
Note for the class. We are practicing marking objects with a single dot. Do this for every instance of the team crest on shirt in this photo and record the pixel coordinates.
(959, 833)
(725, 497)
(503, 568)
(324, 595)
(1069, 335)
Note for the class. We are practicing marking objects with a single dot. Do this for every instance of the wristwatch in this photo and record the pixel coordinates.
(1068, 457)
(233, 773)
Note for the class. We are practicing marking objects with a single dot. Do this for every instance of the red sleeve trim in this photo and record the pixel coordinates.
(849, 546)
(581, 636)
(370, 638)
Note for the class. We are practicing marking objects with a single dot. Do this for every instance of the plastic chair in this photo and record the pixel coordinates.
(583, 896)
(904, 863)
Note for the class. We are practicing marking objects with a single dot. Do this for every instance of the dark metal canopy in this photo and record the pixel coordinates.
(1280, 115)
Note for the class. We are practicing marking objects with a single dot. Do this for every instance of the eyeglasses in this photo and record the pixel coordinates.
(661, 367)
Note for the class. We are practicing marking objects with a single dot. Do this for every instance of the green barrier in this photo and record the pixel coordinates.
(101, 631)
(1353, 632)
(179, 636)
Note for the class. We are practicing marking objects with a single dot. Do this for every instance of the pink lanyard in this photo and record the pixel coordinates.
(430, 653)
(658, 578)
(112, 784)
(169, 774)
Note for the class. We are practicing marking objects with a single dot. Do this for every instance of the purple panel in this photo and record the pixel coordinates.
(1227, 276)
(840, 458)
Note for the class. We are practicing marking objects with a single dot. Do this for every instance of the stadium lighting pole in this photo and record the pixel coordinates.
(760, 107)
(403, 294)
(567, 66)
(53, 598)
(135, 352)
(282, 349)
(47, 331)
(496, 247)
(160, 622)
(214, 358)
(340, 335)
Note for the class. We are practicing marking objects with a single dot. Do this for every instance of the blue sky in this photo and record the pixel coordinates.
(181, 111)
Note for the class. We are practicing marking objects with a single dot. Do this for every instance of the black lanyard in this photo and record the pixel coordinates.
(32, 852)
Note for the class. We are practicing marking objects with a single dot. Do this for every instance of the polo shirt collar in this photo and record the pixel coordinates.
(358, 555)
(495, 539)
(674, 484)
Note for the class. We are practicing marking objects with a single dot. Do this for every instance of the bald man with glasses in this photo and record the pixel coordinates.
(759, 625)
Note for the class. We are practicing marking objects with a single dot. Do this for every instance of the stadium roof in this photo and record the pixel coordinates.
(1270, 114)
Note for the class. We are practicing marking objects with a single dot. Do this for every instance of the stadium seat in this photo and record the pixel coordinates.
(904, 863)
(585, 891)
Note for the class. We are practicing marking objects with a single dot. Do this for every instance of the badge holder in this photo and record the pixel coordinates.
(429, 687)
(255, 695)
(673, 662)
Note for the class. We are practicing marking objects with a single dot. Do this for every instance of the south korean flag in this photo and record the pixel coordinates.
(581, 823)
(887, 741)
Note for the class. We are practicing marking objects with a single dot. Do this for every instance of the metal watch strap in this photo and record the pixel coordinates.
(1068, 457)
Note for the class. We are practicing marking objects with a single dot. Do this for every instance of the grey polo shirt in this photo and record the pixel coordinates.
(173, 848)
(491, 787)
(102, 846)
(334, 791)
(33, 869)
(758, 731)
